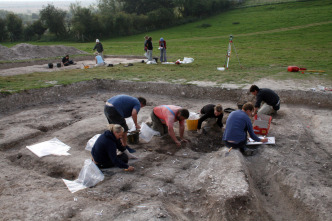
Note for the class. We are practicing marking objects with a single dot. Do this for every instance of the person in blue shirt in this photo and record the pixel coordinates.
(238, 124)
(122, 106)
(104, 151)
(99, 60)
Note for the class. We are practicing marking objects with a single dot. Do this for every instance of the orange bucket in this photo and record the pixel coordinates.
(192, 124)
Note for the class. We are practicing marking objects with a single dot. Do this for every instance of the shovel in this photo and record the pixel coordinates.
(227, 153)
(85, 66)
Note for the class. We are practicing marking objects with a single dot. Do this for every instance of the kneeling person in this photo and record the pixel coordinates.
(104, 151)
(210, 112)
(66, 61)
(99, 60)
(163, 119)
(237, 125)
(269, 98)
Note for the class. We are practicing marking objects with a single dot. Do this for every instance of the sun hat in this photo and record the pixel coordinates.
(97, 40)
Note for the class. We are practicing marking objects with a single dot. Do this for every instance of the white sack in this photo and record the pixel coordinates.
(89, 176)
(91, 142)
(130, 123)
(147, 133)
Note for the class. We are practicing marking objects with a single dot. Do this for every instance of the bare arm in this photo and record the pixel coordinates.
(134, 116)
(172, 134)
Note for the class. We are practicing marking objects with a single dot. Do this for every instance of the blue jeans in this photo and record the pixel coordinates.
(163, 55)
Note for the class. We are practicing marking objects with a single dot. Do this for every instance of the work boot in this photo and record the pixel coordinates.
(130, 149)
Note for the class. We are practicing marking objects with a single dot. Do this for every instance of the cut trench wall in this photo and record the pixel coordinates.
(33, 97)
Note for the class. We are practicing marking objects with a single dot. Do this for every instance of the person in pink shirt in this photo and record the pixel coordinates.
(163, 119)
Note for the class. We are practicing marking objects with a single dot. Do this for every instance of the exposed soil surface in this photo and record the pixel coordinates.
(291, 180)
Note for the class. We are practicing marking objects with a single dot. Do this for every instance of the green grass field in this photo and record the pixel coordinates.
(267, 39)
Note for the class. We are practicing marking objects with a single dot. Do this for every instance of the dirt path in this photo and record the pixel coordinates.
(287, 181)
(10, 69)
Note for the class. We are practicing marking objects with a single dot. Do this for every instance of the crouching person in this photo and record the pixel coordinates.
(104, 151)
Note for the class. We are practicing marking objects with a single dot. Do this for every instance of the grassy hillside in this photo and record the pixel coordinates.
(267, 39)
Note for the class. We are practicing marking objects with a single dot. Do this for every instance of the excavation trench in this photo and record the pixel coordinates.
(287, 181)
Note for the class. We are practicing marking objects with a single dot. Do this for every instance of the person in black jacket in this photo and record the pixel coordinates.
(211, 111)
(267, 97)
(99, 48)
(104, 151)
(149, 47)
(66, 61)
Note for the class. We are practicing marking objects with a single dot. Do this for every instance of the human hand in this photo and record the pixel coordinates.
(178, 143)
(185, 140)
(137, 126)
(264, 140)
(130, 168)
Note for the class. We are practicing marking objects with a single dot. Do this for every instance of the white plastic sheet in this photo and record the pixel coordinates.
(186, 60)
(271, 140)
(91, 142)
(51, 147)
(89, 176)
(147, 133)
(151, 62)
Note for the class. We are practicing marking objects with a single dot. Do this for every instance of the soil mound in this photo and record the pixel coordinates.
(25, 51)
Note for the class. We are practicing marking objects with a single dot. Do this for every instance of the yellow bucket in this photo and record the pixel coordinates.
(192, 124)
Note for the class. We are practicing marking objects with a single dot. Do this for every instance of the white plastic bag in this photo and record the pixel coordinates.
(130, 123)
(89, 176)
(151, 62)
(193, 116)
(187, 60)
(147, 133)
(91, 142)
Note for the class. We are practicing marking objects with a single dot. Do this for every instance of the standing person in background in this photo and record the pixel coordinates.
(149, 47)
(99, 48)
(162, 47)
(145, 46)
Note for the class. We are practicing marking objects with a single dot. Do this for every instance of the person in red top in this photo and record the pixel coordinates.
(162, 47)
(163, 119)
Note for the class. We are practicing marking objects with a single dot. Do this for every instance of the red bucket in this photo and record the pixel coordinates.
(293, 69)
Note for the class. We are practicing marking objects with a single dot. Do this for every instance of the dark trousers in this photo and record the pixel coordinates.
(242, 145)
(68, 63)
(123, 157)
(114, 117)
(157, 125)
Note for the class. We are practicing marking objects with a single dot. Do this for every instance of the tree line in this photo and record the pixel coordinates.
(108, 18)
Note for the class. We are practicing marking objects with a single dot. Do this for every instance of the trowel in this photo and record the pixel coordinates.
(227, 153)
